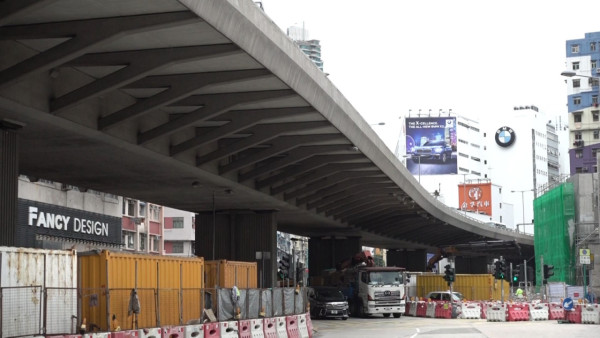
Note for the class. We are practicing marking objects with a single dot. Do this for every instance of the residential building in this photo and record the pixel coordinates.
(310, 47)
(583, 59)
(179, 232)
(142, 225)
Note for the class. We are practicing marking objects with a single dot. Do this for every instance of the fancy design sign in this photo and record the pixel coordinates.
(476, 197)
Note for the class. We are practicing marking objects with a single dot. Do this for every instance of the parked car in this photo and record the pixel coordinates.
(432, 150)
(327, 302)
(444, 296)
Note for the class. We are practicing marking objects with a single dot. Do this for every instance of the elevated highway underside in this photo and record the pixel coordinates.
(207, 105)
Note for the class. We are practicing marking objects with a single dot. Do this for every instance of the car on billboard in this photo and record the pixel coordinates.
(437, 150)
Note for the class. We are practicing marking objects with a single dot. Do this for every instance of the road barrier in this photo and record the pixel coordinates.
(590, 314)
(257, 328)
(173, 332)
(302, 326)
(120, 334)
(281, 327)
(292, 326)
(244, 329)
(414, 305)
(443, 310)
(421, 309)
(194, 331)
(471, 311)
(270, 327)
(309, 325)
(518, 312)
(574, 315)
(229, 329)
(407, 308)
(430, 311)
(556, 312)
(484, 307)
(539, 311)
(496, 313)
(211, 330)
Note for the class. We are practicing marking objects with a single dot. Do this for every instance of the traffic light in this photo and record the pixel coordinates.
(449, 275)
(548, 271)
(500, 272)
(516, 274)
(284, 266)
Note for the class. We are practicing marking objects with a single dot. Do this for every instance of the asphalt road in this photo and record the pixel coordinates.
(417, 327)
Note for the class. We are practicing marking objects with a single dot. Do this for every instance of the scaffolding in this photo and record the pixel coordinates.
(554, 233)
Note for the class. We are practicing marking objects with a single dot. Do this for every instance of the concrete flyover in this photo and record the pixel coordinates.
(202, 104)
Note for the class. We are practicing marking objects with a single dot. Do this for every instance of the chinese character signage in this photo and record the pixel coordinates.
(476, 197)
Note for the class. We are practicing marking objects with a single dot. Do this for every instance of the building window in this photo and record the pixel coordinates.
(177, 222)
(154, 212)
(595, 99)
(177, 247)
(129, 207)
(592, 46)
(595, 114)
(594, 153)
(575, 65)
(579, 153)
(596, 134)
(576, 83)
(500, 218)
(127, 240)
(154, 243)
(594, 81)
(143, 239)
(577, 100)
(578, 136)
(577, 117)
(142, 209)
(593, 64)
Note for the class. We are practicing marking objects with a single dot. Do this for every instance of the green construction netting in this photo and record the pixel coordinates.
(554, 233)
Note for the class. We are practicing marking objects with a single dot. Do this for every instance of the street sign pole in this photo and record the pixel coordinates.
(526, 289)
(584, 285)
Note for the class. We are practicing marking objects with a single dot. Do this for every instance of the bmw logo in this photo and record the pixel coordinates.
(505, 137)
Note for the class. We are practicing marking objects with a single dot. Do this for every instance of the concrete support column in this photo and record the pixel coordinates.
(238, 236)
(9, 184)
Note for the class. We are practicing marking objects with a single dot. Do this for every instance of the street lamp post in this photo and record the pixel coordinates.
(522, 206)
(464, 192)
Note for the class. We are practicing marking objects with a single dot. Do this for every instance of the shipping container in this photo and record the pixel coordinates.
(35, 282)
(473, 287)
(169, 289)
(227, 274)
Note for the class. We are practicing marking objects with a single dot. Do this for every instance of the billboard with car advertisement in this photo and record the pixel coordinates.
(431, 145)
(475, 197)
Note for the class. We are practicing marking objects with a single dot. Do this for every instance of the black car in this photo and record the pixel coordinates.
(327, 302)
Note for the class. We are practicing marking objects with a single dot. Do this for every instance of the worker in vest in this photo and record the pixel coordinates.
(519, 293)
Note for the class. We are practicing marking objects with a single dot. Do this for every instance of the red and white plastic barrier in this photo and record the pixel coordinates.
(470, 311)
(194, 331)
(173, 332)
(430, 311)
(281, 327)
(309, 325)
(228, 329)
(518, 312)
(212, 330)
(590, 314)
(292, 326)
(539, 311)
(244, 329)
(270, 327)
(413, 308)
(421, 309)
(302, 326)
(574, 315)
(256, 328)
(120, 334)
(496, 313)
(443, 310)
(556, 312)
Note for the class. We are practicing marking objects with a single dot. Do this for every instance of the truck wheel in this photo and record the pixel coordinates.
(397, 315)
(386, 315)
(361, 311)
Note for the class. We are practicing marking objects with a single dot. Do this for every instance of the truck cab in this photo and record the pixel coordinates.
(380, 290)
